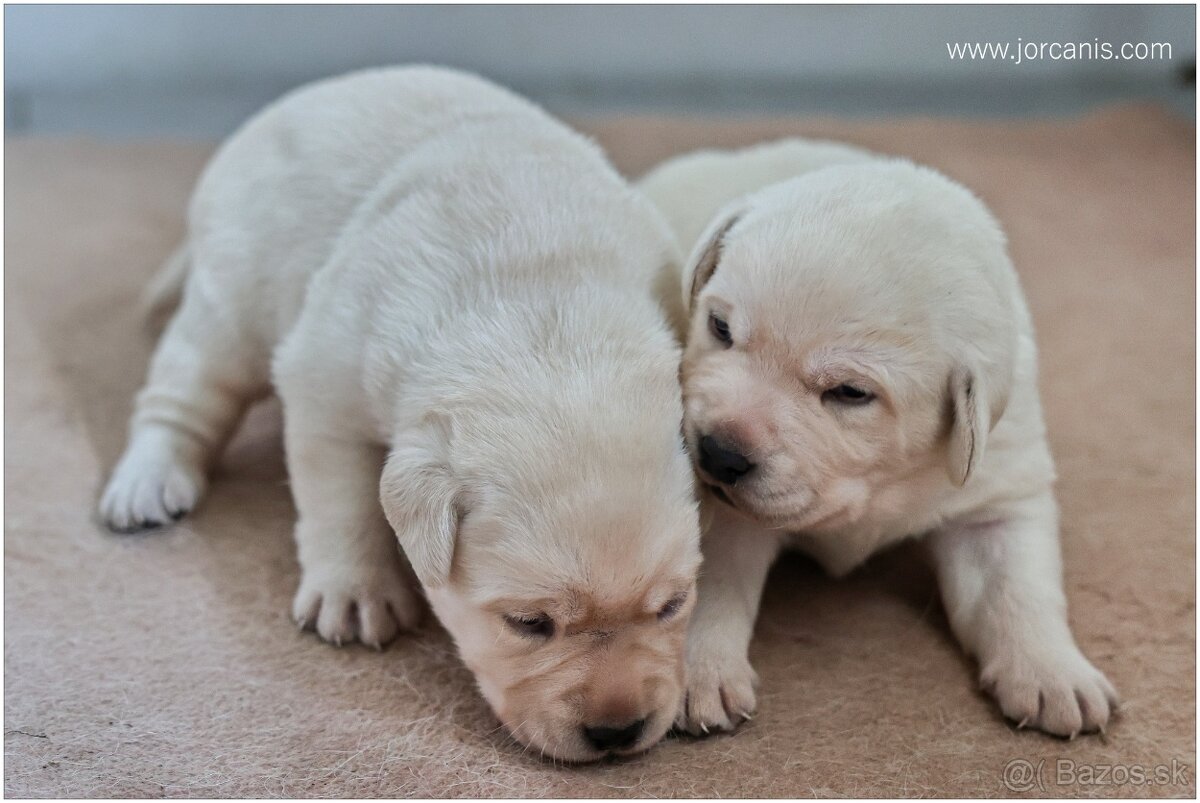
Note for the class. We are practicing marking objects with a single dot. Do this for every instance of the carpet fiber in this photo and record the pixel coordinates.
(166, 665)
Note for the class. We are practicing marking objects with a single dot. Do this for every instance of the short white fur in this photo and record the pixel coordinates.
(835, 265)
(452, 293)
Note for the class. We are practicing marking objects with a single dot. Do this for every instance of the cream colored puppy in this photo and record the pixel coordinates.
(449, 291)
(860, 367)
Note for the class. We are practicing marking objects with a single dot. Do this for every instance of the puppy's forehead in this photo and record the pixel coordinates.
(610, 547)
(781, 298)
(865, 252)
(889, 218)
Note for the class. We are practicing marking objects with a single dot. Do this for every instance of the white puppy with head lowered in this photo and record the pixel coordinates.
(450, 292)
(859, 368)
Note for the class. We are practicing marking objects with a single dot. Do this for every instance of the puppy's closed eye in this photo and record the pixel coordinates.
(848, 395)
(536, 626)
(672, 606)
(719, 328)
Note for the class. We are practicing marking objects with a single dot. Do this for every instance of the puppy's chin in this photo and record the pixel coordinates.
(747, 505)
(817, 516)
(745, 502)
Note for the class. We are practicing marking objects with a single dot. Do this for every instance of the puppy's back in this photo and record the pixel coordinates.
(273, 203)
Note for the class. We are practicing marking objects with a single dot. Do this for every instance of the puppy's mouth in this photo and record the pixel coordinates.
(710, 482)
(811, 518)
(716, 488)
(719, 492)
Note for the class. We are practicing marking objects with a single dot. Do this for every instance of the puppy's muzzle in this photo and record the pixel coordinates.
(723, 461)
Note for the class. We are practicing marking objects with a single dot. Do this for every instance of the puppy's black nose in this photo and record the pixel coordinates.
(605, 737)
(722, 463)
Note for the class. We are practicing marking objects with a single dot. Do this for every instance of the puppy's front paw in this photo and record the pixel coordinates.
(1058, 691)
(152, 485)
(369, 604)
(718, 695)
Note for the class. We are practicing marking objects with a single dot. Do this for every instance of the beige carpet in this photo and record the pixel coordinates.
(166, 664)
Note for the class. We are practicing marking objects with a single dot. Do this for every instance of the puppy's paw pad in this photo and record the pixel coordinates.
(370, 606)
(719, 696)
(1063, 695)
(149, 491)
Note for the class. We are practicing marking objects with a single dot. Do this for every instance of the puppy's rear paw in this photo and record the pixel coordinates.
(344, 604)
(719, 695)
(1060, 693)
(152, 485)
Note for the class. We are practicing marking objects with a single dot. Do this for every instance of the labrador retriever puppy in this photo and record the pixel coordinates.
(448, 289)
(859, 368)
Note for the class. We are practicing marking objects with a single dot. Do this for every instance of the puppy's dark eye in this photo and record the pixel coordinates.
(540, 626)
(672, 607)
(849, 395)
(719, 329)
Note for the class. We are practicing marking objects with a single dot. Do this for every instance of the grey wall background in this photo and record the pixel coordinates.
(198, 70)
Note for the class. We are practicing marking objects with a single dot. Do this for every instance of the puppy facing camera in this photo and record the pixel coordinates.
(860, 368)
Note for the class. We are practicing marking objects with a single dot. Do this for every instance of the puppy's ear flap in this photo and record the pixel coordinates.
(704, 258)
(421, 500)
(971, 420)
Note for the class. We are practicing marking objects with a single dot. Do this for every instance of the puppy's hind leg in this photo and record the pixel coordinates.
(201, 378)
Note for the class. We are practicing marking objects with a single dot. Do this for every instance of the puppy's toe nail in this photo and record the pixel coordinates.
(746, 716)
(704, 728)
(1022, 723)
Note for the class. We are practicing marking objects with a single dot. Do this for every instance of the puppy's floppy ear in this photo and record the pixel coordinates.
(707, 253)
(421, 500)
(971, 420)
